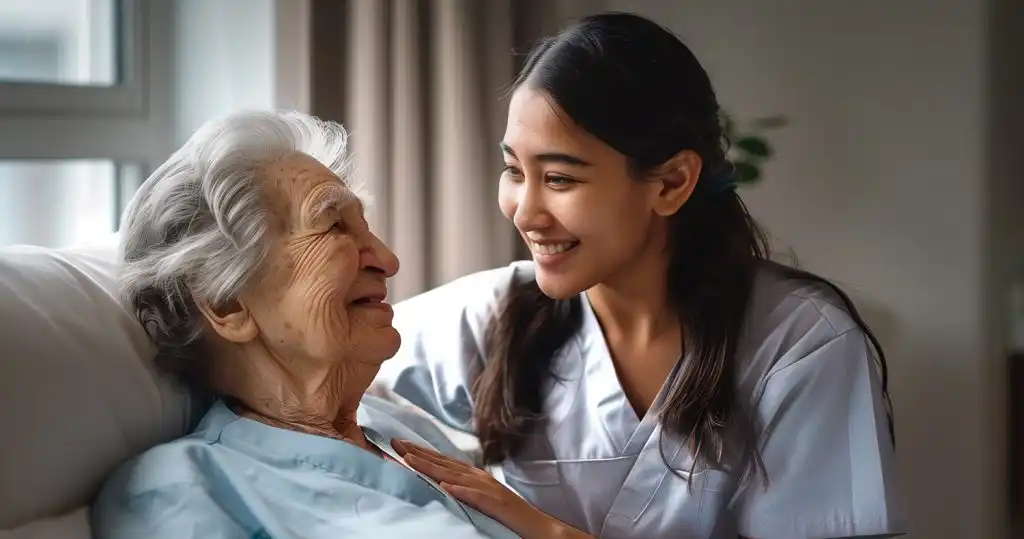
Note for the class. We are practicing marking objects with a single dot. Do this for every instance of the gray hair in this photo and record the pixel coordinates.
(197, 228)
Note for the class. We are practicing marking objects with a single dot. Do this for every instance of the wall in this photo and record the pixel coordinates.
(882, 183)
(1006, 191)
(225, 60)
(239, 54)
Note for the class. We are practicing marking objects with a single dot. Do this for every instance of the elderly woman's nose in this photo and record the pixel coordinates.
(378, 257)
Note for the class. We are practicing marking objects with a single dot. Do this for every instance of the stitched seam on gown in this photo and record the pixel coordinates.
(771, 374)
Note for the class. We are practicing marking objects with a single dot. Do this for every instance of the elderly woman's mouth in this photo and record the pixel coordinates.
(372, 302)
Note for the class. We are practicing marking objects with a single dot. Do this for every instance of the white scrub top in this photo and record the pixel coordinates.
(804, 365)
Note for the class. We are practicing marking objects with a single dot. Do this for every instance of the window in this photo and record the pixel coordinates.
(60, 203)
(82, 56)
(70, 42)
(83, 113)
(95, 94)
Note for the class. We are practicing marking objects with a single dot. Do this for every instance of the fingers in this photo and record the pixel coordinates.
(437, 471)
(401, 447)
(405, 448)
(446, 470)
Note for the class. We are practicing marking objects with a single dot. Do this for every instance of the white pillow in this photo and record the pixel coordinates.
(78, 390)
(74, 525)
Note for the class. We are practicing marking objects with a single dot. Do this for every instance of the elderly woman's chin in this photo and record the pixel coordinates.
(383, 344)
(367, 335)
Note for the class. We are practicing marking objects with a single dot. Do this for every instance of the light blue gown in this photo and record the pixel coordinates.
(238, 478)
(803, 366)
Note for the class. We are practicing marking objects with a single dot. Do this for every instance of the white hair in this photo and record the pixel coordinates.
(197, 228)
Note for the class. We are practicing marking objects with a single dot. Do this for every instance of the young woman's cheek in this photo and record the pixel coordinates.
(507, 199)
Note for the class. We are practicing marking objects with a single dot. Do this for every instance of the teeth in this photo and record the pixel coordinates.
(550, 249)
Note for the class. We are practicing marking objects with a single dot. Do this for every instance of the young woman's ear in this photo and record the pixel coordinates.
(675, 180)
(232, 321)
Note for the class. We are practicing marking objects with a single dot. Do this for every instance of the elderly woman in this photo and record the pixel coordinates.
(249, 263)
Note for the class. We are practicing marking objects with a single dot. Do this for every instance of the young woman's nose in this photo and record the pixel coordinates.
(531, 212)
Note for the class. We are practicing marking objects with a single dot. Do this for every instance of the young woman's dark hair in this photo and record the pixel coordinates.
(636, 87)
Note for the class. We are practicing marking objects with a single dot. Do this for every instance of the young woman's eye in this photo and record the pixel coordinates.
(560, 181)
(511, 171)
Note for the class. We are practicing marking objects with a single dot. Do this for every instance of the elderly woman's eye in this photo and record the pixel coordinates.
(339, 226)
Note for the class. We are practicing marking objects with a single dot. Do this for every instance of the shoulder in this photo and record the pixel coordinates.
(790, 318)
(178, 462)
(171, 465)
(821, 413)
(165, 492)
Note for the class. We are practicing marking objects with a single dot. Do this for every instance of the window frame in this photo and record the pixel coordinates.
(130, 123)
(139, 122)
(128, 96)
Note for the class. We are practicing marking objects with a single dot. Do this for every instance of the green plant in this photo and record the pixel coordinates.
(749, 147)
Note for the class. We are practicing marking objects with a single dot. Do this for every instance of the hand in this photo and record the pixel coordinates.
(483, 492)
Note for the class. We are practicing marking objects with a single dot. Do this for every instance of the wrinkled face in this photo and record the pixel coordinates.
(320, 298)
(584, 218)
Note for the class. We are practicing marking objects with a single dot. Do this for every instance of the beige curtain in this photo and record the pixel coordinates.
(420, 85)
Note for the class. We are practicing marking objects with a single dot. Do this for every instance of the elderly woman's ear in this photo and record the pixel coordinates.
(232, 321)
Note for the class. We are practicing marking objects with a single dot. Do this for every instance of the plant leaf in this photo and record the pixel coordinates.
(755, 146)
(745, 172)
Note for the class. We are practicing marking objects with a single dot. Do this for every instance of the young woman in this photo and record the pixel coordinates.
(649, 373)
